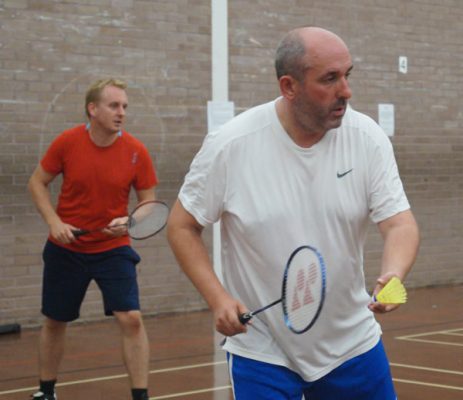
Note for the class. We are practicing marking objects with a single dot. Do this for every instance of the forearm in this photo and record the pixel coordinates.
(42, 200)
(400, 251)
(145, 195)
(38, 187)
(401, 243)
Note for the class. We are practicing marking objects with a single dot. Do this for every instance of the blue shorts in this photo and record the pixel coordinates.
(67, 274)
(365, 377)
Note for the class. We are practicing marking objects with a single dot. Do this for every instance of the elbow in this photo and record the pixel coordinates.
(414, 231)
(411, 235)
(181, 228)
(173, 229)
(181, 223)
(30, 185)
(170, 231)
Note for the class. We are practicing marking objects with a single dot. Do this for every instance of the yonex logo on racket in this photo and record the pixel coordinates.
(303, 287)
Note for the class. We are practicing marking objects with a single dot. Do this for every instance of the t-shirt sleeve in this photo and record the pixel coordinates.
(387, 196)
(52, 161)
(203, 191)
(145, 177)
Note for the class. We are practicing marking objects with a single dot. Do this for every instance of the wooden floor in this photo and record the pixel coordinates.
(424, 341)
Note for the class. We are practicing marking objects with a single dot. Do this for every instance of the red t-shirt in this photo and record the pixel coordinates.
(96, 183)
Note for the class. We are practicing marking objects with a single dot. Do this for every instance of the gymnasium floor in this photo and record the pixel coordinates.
(424, 340)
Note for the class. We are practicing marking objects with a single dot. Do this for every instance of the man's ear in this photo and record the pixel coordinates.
(288, 86)
(91, 108)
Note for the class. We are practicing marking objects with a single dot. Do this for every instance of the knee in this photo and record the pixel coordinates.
(130, 321)
(52, 325)
(52, 330)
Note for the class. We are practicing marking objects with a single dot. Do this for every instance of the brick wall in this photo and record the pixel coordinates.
(51, 50)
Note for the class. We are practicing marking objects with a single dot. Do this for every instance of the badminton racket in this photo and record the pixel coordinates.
(146, 220)
(303, 290)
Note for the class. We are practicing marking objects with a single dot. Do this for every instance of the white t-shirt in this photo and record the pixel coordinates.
(273, 196)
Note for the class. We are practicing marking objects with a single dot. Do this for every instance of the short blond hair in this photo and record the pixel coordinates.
(94, 91)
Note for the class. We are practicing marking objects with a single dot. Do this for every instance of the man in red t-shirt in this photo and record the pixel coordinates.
(99, 163)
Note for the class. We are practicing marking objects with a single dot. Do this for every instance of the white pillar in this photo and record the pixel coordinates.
(219, 13)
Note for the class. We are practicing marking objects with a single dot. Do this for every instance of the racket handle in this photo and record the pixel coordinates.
(245, 318)
(79, 232)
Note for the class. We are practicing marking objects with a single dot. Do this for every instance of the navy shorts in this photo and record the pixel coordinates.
(67, 274)
(365, 377)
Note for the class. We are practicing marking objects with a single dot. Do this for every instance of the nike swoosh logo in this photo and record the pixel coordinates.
(344, 173)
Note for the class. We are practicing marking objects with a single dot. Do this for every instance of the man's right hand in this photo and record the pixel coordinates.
(62, 232)
(226, 317)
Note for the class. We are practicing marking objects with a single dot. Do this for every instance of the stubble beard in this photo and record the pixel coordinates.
(313, 119)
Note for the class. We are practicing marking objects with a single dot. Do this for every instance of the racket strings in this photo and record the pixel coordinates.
(302, 292)
(147, 220)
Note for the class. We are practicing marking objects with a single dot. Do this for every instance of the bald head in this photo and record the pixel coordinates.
(303, 47)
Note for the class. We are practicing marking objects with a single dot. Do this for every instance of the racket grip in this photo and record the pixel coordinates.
(245, 318)
(79, 232)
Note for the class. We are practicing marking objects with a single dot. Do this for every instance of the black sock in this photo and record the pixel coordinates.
(47, 387)
(140, 394)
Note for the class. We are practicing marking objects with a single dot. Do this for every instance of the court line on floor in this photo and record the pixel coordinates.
(418, 367)
(429, 384)
(120, 376)
(208, 390)
(441, 332)
(218, 388)
(455, 334)
(417, 337)
(429, 369)
(433, 342)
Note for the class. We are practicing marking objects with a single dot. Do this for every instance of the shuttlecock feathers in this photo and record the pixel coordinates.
(393, 293)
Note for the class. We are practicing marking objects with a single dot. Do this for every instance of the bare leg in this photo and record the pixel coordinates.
(51, 348)
(135, 347)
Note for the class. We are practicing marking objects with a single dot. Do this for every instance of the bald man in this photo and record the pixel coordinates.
(303, 169)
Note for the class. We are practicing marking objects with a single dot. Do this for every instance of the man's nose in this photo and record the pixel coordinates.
(344, 91)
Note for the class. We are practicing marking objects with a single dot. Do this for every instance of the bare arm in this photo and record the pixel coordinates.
(145, 195)
(401, 242)
(184, 235)
(38, 187)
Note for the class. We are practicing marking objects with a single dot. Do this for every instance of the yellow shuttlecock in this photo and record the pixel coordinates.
(393, 293)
